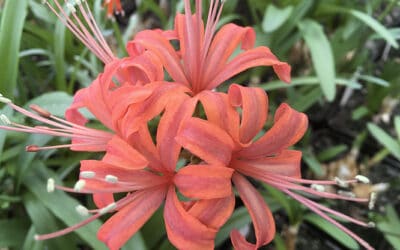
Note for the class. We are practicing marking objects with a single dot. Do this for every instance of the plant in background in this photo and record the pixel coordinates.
(204, 139)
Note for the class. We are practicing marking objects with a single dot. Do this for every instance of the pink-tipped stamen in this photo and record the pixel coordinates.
(89, 33)
(329, 219)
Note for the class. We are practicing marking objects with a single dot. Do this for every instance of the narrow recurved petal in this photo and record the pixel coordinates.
(207, 141)
(289, 127)
(129, 219)
(184, 230)
(213, 212)
(254, 104)
(210, 181)
(121, 154)
(259, 56)
(261, 215)
(175, 113)
(287, 163)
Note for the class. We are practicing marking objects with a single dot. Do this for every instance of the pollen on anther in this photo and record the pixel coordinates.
(362, 179)
(347, 194)
(50, 185)
(87, 174)
(372, 200)
(318, 187)
(108, 208)
(341, 183)
(5, 100)
(36, 237)
(41, 111)
(5, 119)
(111, 178)
(82, 210)
(79, 185)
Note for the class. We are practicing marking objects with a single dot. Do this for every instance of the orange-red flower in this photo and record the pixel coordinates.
(147, 173)
(228, 138)
(132, 91)
(205, 58)
(113, 5)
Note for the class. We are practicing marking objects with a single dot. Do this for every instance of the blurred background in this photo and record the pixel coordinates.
(345, 75)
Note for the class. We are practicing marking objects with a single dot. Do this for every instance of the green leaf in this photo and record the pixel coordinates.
(321, 55)
(307, 81)
(331, 152)
(385, 139)
(55, 102)
(44, 222)
(359, 113)
(136, 242)
(390, 227)
(61, 205)
(239, 219)
(376, 26)
(59, 57)
(12, 23)
(396, 126)
(374, 80)
(313, 164)
(12, 232)
(275, 17)
(332, 230)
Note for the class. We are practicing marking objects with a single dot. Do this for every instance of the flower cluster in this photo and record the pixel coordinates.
(206, 142)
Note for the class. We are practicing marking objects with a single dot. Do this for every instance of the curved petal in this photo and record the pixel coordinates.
(72, 114)
(121, 154)
(128, 220)
(254, 104)
(220, 112)
(210, 181)
(155, 42)
(137, 179)
(184, 230)
(103, 199)
(289, 127)
(287, 163)
(224, 44)
(141, 69)
(263, 221)
(175, 112)
(205, 140)
(143, 143)
(260, 56)
(213, 212)
(130, 117)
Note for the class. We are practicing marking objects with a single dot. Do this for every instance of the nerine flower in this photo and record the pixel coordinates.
(205, 58)
(147, 173)
(113, 5)
(131, 91)
(227, 138)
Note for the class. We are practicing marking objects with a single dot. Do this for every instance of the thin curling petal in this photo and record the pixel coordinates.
(184, 230)
(210, 181)
(260, 56)
(121, 154)
(136, 179)
(261, 216)
(220, 112)
(289, 127)
(213, 212)
(225, 42)
(176, 112)
(103, 199)
(254, 104)
(127, 221)
(287, 163)
(155, 42)
(205, 140)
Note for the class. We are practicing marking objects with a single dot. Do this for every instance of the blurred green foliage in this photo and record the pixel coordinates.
(344, 56)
